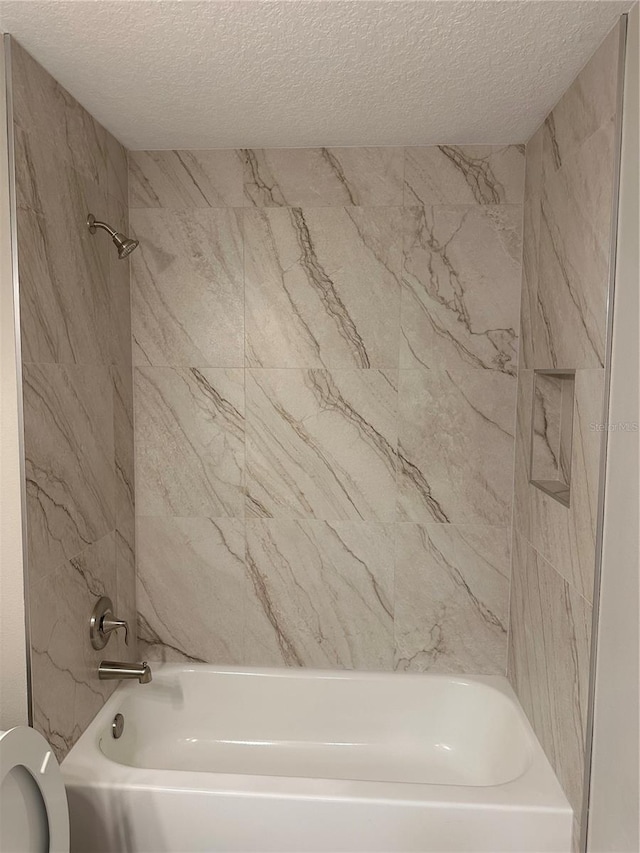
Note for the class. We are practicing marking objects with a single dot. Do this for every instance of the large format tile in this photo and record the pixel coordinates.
(522, 489)
(320, 594)
(588, 104)
(322, 287)
(530, 243)
(125, 597)
(565, 536)
(451, 598)
(547, 423)
(119, 289)
(321, 444)
(461, 287)
(54, 120)
(528, 657)
(455, 446)
(95, 575)
(123, 450)
(125, 600)
(117, 171)
(69, 456)
(205, 557)
(64, 284)
(567, 226)
(187, 288)
(179, 180)
(67, 691)
(573, 256)
(54, 693)
(189, 441)
(467, 174)
(323, 177)
(549, 662)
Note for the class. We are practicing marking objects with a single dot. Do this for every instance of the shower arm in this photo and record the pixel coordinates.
(94, 224)
(125, 245)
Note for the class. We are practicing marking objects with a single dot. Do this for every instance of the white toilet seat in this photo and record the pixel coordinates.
(25, 747)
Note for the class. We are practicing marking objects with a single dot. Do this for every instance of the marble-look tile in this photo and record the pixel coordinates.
(528, 658)
(576, 833)
(179, 180)
(77, 407)
(189, 441)
(320, 594)
(549, 650)
(565, 536)
(321, 444)
(94, 570)
(323, 287)
(123, 447)
(522, 489)
(187, 288)
(530, 243)
(117, 171)
(589, 103)
(547, 413)
(119, 290)
(573, 256)
(323, 177)
(125, 601)
(567, 219)
(451, 598)
(64, 287)
(455, 446)
(206, 558)
(54, 120)
(54, 694)
(69, 453)
(461, 287)
(66, 688)
(468, 174)
(97, 566)
(565, 444)
(31, 181)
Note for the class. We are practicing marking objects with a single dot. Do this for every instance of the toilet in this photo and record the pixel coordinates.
(34, 817)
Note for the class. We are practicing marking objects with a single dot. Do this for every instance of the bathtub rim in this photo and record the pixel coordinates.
(537, 789)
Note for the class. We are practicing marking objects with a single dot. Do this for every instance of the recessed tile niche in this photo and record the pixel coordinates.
(551, 433)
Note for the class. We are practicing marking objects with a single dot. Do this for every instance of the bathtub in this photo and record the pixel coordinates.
(218, 758)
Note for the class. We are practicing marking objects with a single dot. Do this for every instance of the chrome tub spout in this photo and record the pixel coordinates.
(113, 669)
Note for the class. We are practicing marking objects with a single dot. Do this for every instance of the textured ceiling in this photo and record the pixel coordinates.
(165, 74)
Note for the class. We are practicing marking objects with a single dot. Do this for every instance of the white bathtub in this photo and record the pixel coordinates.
(224, 759)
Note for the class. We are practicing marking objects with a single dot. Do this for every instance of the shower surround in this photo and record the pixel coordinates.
(568, 214)
(325, 358)
(77, 395)
(324, 351)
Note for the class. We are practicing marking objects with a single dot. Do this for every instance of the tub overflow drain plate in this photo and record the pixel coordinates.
(117, 726)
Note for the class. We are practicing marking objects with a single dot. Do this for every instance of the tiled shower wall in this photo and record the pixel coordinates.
(567, 238)
(77, 392)
(325, 357)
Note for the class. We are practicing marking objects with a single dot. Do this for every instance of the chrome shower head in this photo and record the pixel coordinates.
(125, 245)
